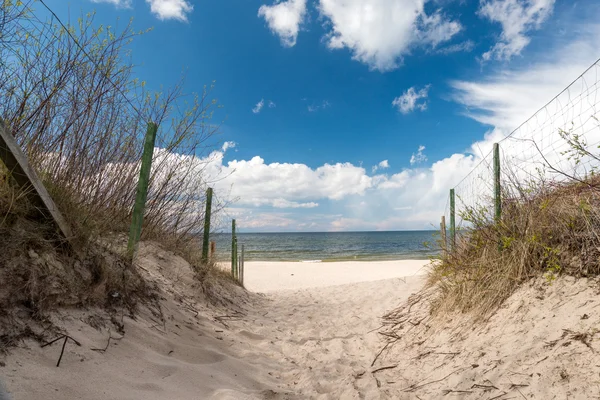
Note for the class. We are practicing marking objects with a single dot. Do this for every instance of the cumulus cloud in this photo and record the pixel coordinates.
(518, 18)
(284, 19)
(419, 157)
(380, 33)
(411, 100)
(259, 106)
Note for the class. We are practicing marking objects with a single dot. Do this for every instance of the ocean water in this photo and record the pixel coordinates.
(330, 246)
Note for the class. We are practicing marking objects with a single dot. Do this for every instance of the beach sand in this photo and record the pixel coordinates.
(268, 276)
(321, 342)
(294, 343)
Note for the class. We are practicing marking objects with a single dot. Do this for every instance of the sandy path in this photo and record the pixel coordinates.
(326, 338)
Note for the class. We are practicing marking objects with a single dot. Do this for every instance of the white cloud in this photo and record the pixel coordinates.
(170, 9)
(517, 17)
(382, 165)
(227, 145)
(116, 3)
(507, 98)
(259, 106)
(284, 19)
(465, 46)
(380, 32)
(283, 203)
(272, 104)
(435, 29)
(419, 157)
(409, 101)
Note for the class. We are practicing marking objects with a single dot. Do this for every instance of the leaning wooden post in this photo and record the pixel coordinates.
(233, 248)
(206, 233)
(452, 221)
(135, 231)
(497, 187)
(16, 162)
(443, 234)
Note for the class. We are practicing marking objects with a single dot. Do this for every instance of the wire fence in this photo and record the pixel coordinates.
(558, 144)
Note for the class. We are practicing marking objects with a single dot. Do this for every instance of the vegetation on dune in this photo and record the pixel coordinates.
(72, 101)
(548, 230)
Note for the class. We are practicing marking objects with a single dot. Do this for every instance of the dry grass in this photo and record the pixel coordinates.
(80, 116)
(549, 230)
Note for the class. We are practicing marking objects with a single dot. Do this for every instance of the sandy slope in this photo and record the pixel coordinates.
(542, 344)
(295, 344)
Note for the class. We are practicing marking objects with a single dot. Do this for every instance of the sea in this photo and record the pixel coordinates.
(330, 246)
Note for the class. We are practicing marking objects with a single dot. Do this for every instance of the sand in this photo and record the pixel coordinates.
(288, 344)
(316, 335)
(276, 276)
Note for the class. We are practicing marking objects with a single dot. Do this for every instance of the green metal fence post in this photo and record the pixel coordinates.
(235, 259)
(497, 187)
(135, 231)
(452, 220)
(233, 248)
(206, 233)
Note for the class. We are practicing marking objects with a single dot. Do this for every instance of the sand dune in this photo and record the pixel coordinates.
(294, 344)
(316, 342)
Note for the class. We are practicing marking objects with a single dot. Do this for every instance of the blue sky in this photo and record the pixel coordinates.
(356, 114)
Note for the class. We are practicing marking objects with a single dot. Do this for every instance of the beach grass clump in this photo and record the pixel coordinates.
(546, 230)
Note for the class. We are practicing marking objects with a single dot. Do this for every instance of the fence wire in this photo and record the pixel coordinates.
(558, 144)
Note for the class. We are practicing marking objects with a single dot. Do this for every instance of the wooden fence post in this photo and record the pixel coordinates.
(135, 231)
(233, 248)
(213, 250)
(452, 220)
(206, 233)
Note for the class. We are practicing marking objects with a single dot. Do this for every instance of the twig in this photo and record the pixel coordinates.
(383, 368)
(414, 387)
(485, 387)
(66, 337)
(448, 391)
(107, 343)
(497, 397)
(381, 351)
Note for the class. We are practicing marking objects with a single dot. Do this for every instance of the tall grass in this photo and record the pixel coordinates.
(546, 229)
(80, 114)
